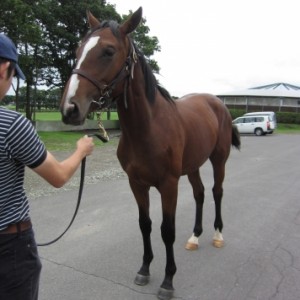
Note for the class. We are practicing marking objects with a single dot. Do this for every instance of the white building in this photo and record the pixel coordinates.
(276, 97)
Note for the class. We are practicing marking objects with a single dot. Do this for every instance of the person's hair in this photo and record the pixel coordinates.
(11, 67)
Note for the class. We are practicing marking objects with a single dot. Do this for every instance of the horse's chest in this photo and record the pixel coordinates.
(137, 163)
(140, 166)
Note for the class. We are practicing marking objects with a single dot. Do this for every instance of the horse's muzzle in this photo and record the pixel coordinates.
(71, 115)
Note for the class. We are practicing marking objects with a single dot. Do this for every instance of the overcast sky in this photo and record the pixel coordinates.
(222, 45)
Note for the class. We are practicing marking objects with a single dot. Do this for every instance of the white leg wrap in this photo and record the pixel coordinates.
(218, 236)
(193, 240)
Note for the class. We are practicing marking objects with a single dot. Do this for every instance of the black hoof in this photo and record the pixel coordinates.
(164, 294)
(141, 279)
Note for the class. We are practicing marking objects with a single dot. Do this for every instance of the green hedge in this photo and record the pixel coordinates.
(235, 113)
(288, 117)
(282, 117)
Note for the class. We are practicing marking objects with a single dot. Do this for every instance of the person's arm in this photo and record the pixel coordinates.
(58, 173)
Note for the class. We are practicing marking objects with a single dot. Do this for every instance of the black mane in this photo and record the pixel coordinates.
(150, 80)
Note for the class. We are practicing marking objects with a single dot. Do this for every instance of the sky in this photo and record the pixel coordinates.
(222, 45)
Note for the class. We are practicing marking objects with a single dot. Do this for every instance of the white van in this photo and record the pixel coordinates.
(259, 125)
(271, 114)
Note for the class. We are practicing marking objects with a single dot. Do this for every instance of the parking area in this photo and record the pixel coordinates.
(100, 255)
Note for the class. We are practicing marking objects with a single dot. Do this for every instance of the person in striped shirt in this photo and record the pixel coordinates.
(20, 146)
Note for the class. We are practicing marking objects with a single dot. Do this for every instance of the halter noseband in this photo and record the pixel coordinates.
(107, 89)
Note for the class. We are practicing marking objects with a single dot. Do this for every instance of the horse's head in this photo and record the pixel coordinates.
(104, 60)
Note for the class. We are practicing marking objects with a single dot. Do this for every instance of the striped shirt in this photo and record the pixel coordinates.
(20, 146)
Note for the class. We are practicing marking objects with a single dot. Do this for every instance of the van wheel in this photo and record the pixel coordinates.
(258, 132)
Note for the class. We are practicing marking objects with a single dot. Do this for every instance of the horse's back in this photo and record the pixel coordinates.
(203, 104)
(205, 111)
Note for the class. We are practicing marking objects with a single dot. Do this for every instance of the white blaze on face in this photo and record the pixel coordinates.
(74, 80)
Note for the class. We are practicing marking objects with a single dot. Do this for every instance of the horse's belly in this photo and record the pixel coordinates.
(196, 153)
(191, 164)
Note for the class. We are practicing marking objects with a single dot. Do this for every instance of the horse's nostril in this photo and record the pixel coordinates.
(70, 113)
(67, 108)
(75, 110)
(70, 107)
(71, 110)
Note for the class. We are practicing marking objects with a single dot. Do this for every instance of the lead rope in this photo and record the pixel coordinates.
(82, 174)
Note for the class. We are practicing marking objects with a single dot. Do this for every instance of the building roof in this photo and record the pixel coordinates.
(281, 90)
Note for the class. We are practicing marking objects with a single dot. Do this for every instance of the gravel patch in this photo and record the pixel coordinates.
(102, 165)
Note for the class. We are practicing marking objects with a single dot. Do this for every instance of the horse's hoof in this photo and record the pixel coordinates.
(164, 294)
(218, 243)
(192, 243)
(218, 240)
(141, 279)
(191, 246)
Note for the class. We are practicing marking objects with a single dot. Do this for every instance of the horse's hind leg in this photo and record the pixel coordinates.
(141, 194)
(198, 190)
(219, 174)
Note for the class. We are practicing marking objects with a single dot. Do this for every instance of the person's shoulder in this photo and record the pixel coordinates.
(8, 112)
(9, 116)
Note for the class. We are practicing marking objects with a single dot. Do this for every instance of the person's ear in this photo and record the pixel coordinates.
(3, 69)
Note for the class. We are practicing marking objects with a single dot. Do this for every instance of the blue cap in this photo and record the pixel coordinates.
(8, 51)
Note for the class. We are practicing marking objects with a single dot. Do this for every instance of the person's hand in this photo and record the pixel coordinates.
(85, 145)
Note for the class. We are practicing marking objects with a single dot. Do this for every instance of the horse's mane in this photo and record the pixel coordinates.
(151, 82)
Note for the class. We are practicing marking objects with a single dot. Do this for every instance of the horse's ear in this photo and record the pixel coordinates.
(131, 24)
(93, 22)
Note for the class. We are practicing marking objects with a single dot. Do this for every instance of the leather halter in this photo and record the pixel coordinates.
(106, 90)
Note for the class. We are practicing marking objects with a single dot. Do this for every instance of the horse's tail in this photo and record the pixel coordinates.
(236, 140)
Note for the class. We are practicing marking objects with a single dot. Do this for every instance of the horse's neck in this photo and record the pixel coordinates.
(134, 110)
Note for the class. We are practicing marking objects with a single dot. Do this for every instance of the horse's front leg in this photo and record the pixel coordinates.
(169, 191)
(141, 194)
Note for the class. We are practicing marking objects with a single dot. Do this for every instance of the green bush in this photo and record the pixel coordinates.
(282, 117)
(235, 113)
(288, 117)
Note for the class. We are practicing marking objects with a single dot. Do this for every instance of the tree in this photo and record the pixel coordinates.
(47, 33)
(63, 25)
(18, 22)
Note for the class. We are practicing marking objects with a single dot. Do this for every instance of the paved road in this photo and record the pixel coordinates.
(99, 256)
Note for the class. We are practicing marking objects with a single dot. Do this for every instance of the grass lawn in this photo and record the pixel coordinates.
(56, 116)
(287, 128)
(60, 140)
(66, 141)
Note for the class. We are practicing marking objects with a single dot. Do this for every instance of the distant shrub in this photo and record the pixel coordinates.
(235, 113)
(288, 117)
(282, 117)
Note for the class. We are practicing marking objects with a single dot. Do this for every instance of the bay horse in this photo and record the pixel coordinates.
(161, 140)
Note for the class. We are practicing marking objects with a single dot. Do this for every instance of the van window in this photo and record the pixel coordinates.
(271, 114)
(239, 120)
(259, 119)
(249, 120)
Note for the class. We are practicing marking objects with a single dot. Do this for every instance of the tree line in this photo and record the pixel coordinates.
(47, 33)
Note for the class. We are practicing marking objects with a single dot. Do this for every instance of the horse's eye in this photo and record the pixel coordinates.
(108, 52)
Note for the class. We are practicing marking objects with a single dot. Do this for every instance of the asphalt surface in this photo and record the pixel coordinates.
(99, 257)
